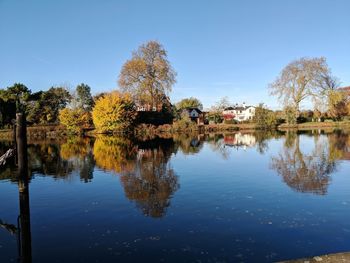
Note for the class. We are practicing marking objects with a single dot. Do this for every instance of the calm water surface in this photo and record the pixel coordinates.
(250, 197)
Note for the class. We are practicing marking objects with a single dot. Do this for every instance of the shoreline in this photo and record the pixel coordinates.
(59, 131)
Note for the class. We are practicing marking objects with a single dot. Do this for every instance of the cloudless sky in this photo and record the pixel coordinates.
(218, 48)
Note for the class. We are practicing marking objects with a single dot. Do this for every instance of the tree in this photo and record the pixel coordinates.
(215, 112)
(46, 109)
(298, 81)
(75, 120)
(114, 111)
(148, 75)
(264, 118)
(84, 98)
(17, 93)
(222, 104)
(338, 102)
(189, 103)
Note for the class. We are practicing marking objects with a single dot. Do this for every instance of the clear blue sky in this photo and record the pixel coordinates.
(218, 48)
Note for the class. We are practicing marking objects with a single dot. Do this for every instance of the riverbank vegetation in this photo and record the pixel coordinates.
(142, 105)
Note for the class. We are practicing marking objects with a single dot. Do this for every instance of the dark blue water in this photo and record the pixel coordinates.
(246, 197)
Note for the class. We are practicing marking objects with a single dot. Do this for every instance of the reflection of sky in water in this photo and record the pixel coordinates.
(229, 204)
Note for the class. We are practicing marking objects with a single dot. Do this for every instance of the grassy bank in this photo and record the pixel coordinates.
(40, 131)
(316, 125)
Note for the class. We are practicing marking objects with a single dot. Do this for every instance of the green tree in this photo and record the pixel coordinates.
(47, 107)
(84, 97)
(17, 93)
(189, 103)
(148, 75)
(264, 118)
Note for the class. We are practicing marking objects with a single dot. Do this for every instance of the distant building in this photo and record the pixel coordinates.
(239, 113)
(164, 101)
(194, 114)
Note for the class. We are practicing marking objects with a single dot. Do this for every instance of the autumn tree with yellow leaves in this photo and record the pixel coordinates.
(114, 111)
(148, 75)
(75, 120)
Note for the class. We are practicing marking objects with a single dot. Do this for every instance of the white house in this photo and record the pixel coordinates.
(239, 113)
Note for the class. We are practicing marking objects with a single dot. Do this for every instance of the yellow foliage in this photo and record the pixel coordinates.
(115, 154)
(75, 120)
(75, 147)
(114, 111)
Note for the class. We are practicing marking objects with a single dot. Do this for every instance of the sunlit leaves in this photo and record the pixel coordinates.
(114, 111)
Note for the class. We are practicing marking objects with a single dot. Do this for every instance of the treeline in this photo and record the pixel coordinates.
(43, 107)
(144, 81)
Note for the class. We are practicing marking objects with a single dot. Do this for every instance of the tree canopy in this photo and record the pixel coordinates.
(148, 75)
(84, 97)
(298, 81)
(114, 111)
(189, 103)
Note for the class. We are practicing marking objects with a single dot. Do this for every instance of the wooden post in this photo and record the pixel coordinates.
(21, 141)
(23, 187)
(14, 132)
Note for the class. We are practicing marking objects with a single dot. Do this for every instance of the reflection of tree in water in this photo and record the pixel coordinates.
(217, 144)
(78, 151)
(189, 143)
(153, 181)
(340, 145)
(45, 158)
(262, 138)
(56, 159)
(115, 153)
(305, 172)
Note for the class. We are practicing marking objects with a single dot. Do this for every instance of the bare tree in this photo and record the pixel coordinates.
(298, 81)
(148, 75)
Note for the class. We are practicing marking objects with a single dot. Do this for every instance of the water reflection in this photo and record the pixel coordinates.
(310, 172)
(115, 154)
(153, 181)
(145, 169)
(150, 172)
(146, 175)
(78, 152)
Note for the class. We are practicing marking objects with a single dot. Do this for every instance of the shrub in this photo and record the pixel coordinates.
(184, 124)
(75, 120)
(114, 111)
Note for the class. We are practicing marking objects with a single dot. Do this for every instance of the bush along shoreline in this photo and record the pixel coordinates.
(181, 126)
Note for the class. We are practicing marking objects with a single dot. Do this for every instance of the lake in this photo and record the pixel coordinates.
(246, 197)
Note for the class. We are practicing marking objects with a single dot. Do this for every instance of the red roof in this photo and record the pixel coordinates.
(345, 88)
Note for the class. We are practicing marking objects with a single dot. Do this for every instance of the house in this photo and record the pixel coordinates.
(239, 113)
(194, 114)
(163, 102)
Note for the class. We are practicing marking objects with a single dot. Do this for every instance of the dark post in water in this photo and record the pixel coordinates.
(25, 249)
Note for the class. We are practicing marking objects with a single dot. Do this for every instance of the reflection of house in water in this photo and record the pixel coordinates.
(240, 140)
